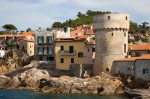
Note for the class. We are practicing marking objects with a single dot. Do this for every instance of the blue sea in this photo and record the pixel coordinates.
(29, 94)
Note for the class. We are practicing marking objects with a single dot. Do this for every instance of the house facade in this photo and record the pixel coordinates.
(44, 46)
(136, 66)
(69, 51)
(138, 50)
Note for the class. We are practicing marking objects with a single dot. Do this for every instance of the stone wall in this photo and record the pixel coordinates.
(125, 67)
(81, 70)
(48, 66)
(140, 65)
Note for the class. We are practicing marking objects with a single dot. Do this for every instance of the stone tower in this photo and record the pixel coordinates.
(111, 35)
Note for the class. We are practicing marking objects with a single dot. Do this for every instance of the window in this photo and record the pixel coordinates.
(72, 60)
(89, 31)
(88, 50)
(124, 48)
(145, 71)
(124, 34)
(71, 49)
(112, 34)
(50, 58)
(108, 17)
(49, 50)
(61, 48)
(40, 50)
(148, 52)
(93, 49)
(41, 58)
(80, 55)
(49, 39)
(30, 46)
(76, 34)
(40, 39)
(61, 60)
(137, 53)
(30, 51)
(89, 28)
(126, 18)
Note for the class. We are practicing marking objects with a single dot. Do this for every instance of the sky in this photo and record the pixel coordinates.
(42, 13)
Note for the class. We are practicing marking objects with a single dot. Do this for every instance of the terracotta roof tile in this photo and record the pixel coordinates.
(141, 47)
(145, 56)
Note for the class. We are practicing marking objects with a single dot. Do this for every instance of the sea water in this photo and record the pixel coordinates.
(29, 94)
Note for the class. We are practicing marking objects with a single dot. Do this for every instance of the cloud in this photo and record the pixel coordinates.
(42, 13)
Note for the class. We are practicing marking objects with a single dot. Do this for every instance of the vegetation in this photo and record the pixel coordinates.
(9, 27)
(145, 40)
(86, 19)
(11, 45)
(4, 32)
(131, 41)
(28, 30)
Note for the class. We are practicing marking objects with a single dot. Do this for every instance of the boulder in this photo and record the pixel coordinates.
(3, 80)
(140, 83)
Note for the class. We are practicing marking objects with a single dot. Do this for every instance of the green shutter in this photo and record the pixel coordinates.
(43, 49)
(38, 50)
(38, 39)
(47, 50)
(50, 39)
(47, 39)
(42, 39)
(52, 49)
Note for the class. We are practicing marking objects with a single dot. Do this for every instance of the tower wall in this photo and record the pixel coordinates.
(111, 35)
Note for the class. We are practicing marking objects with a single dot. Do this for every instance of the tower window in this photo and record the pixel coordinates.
(124, 48)
(112, 34)
(88, 50)
(108, 17)
(124, 34)
(126, 18)
(72, 60)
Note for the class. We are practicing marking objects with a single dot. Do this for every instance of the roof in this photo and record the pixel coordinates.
(141, 47)
(145, 56)
(80, 38)
(27, 33)
(19, 35)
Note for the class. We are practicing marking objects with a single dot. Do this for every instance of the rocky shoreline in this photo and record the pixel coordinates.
(31, 77)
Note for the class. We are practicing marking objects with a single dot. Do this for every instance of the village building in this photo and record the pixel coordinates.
(136, 66)
(138, 50)
(44, 46)
(85, 28)
(2, 51)
(69, 51)
(89, 52)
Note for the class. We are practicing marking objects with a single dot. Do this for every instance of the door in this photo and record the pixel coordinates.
(71, 49)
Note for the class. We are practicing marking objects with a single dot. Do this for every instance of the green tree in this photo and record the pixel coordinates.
(80, 15)
(48, 29)
(134, 27)
(57, 25)
(9, 27)
(28, 30)
(5, 32)
(11, 45)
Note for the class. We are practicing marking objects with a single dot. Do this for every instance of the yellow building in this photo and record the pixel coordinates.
(69, 51)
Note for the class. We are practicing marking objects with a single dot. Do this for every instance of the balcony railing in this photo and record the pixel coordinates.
(67, 52)
(50, 43)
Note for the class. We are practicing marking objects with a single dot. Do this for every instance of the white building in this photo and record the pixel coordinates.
(2, 51)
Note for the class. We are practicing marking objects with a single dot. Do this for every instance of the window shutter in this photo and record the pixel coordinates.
(43, 49)
(38, 50)
(47, 39)
(38, 39)
(52, 49)
(42, 39)
(47, 50)
(50, 39)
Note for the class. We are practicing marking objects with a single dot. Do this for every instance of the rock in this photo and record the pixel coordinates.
(108, 89)
(140, 83)
(3, 80)
(13, 83)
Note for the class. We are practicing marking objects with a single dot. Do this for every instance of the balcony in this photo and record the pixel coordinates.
(45, 43)
(45, 54)
(67, 52)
